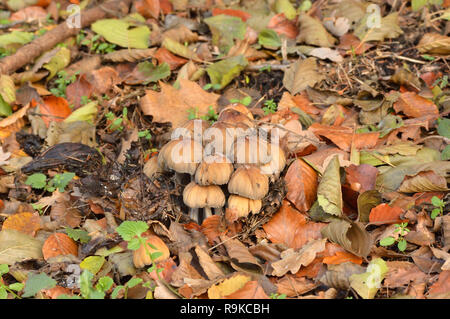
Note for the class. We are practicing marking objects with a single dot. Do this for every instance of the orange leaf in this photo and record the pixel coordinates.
(343, 136)
(440, 289)
(362, 177)
(44, 3)
(76, 90)
(166, 6)
(231, 12)
(351, 44)
(281, 25)
(301, 184)
(164, 55)
(413, 105)
(59, 244)
(54, 292)
(430, 77)
(212, 227)
(27, 223)
(251, 290)
(290, 227)
(342, 257)
(385, 214)
(305, 104)
(53, 108)
(148, 8)
(425, 197)
(29, 14)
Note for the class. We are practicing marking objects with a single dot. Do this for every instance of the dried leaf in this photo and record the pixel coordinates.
(129, 55)
(413, 105)
(366, 201)
(16, 247)
(329, 193)
(27, 223)
(302, 74)
(385, 214)
(342, 257)
(251, 290)
(228, 286)
(59, 244)
(427, 181)
(312, 32)
(434, 43)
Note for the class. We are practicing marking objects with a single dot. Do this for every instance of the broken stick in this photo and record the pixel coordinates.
(32, 50)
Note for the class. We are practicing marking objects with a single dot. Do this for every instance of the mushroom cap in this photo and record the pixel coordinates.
(234, 116)
(248, 181)
(152, 167)
(181, 155)
(240, 108)
(277, 161)
(195, 128)
(242, 206)
(214, 170)
(197, 196)
(220, 137)
(251, 150)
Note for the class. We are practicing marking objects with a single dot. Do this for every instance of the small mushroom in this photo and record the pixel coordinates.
(248, 181)
(251, 150)
(219, 138)
(242, 206)
(206, 197)
(240, 108)
(277, 161)
(214, 170)
(181, 155)
(151, 167)
(194, 129)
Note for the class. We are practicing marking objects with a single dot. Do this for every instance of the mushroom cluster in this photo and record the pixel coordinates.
(230, 163)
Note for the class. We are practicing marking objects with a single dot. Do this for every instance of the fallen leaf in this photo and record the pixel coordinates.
(27, 223)
(148, 8)
(361, 178)
(426, 181)
(53, 108)
(16, 247)
(120, 32)
(283, 26)
(59, 244)
(302, 74)
(312, 32)
(164, 56)
(241, 258)
(301, 185)
(342, 257)
(244, 16)
(293, 286)
(413, 105)
(365, 202)
(329, 193)
(441, 288)
(368, 283)
(434, 43)
(326, 53)
(385, 214)
(228, 286)
(251, 290)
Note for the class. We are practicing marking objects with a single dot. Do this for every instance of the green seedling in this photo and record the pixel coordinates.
(270, 107)
(438, 207)
(145, 134)
(211, 116)
(401, 241)
(62, 82)
(95, 44)
(277, 296)
(211, 86)
(78, 235)
(116, 122)
(59, 181)
(246, 100)
(11, 289)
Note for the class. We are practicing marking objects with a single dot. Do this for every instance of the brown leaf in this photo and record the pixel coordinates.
(385, 214)
(76, 90)
(441, 288)
(241, 258)
(27, 223)
(244, 16)
(421, 235)
(53, 108)
(362, 177)
(426, 181)
(212, 227)
(288, 226)
(301, 184)
(413, 105)
(59, 244)
(351, 44)
(164, 55)
(172, 105)
(212, 271)
(251, 290)
(292, 286)
(29, 14)
(434, 43)
(302, 74)
(312, 32)
(103, 79)
(54, 292)
(401, 273)
(282, 25)
(148, 8)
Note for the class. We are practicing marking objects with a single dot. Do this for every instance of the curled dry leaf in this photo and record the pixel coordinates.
(228, 286)
(301, 184)
(427, 181)
(129, 55)
(288, 226)
(241, 258)
(59, 244)
(302, 74)
(434, 43)
(27, 223)
(366, 201)
(337, 276)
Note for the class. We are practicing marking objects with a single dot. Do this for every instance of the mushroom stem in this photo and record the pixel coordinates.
(193, 214)
(207, 212)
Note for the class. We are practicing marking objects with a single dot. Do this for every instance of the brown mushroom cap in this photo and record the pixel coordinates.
(195, 128)
(240, 108)
(248, 181)
(181, 155)
(251, 150)
(242, 206)
(197, 196)
(277, 161)
(233, 116)
(214, 170)
(221, 136)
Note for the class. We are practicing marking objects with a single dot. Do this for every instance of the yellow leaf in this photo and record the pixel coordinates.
(228, 286)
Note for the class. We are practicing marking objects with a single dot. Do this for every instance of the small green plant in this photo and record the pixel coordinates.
(246, 100)
(116, 122)
(59, 181)
(401, 241)
(8, 289)
(277, 296)
(95, 44)
(85, 100)
(211, 86)
(438, 207)
(211, 116)
(145, 134)
(62, 82)
(130, 284)
(442, 82)
(78, 235)
(270, 107)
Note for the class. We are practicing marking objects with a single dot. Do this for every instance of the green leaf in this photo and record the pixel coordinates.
(60, 181)
(225, 29)
(286, 7)
(123, 33)
(134, 243)
(78, 234)
(134, 282)
(37, 282)
(368, 283)
(85, 113)
(436, 201)
(5, 108)
(37, 180)
(148, 72)
(104, 284)
(93, 263)
(269, 39)
(445, 156)
(416, 5)
(179, 49)
(130, 229)
(435, 213)
(443, 128)
(18, 286)
(116, 291)
(223, 72)
(387, 241)
(15, 37)
(58, 62)
(4, 269)
(329, 194)
(402, 244)
(86, 288)
(3, 293)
